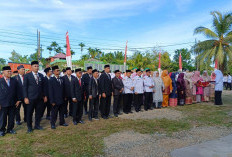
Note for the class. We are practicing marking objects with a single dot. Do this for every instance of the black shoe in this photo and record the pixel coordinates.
(29, 131)
(38, 128)
(2, 134)
(82, 122)
(11, 132)
(53, 127)
(74, 123)
(65, 116)
(115, 115)
(126, 112)
(18, 123)
(64, 124)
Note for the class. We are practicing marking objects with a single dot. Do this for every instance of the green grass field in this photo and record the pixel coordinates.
(87, 139)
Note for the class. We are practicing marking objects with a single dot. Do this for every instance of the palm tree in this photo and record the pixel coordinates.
(218, 46)
(82, 45)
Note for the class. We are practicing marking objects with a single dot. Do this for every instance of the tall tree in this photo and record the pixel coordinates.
(18, 58)
(82, 45)
(54, 47)
(218, 46)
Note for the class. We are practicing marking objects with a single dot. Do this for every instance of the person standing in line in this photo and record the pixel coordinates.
(181, 89)
(56, 97)
(106, 92)
(67, 86)
(118, 88)
(228, 81)
(77, 92)
(148, 88)
(35, 95)
(9, 100)
(218, 87)
(94, 95)
(157, 91)
(48, 72)
(138, 90)
(86, 78)
(167, 87)
(173, 95)
(225, 78)
(19, 78)
(128, 92)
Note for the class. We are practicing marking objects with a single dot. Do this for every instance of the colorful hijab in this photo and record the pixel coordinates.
(196, 76)
(188, 77)
(180, 79)
(205, 78)
(166, 79)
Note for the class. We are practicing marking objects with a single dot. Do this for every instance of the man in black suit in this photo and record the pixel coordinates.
(56, 97)
(35, 95)
(67, 85)
(106, 92)
(86, 77)
(77, 90)
(94, 95)
(118, 88)
(48, 72)
(20, 78)
(9, 98)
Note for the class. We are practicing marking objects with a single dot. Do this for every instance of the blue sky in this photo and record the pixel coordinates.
(104, 24)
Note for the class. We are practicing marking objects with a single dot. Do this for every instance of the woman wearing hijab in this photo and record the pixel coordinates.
(206, 91)
(181, 89)
(188, 88)
(157, 90)
(197, 87)
(212, 86)
(218, 87)
(167, 87)
(173, 95)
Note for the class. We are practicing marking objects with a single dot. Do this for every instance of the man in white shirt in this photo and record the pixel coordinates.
(148, 88)
(225, 78)
(138, 90)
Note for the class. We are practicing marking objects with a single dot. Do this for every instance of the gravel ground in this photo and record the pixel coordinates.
(154, 114)
(131, 144)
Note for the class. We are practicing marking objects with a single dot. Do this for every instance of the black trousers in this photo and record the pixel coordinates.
(148, 100)
(93, 107)
(54, 113)
(117, 104)
(7, 114)
(69, 102)
(85, 102)
(48, 106)
(218, 97)
(228, 85)
(17, 112)
(105, 106)
(127, 102)
(138, 101)
(37, 106)
(225, 84)
(77, 111)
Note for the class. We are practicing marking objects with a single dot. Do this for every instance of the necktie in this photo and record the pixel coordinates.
(59, 80)
(36, 78)
(8, 82)
(80, 82)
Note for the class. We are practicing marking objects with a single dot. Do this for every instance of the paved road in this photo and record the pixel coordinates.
(221, 147)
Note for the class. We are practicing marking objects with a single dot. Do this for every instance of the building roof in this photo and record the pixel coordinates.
(60, 55)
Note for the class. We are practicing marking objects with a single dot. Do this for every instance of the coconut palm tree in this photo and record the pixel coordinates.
(82, 45)
(218, 46)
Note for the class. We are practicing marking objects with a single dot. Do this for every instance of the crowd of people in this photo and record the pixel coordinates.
(74, 93)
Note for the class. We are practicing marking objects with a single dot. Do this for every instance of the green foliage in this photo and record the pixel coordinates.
(218, 47)
(54, 47)
(18, 58)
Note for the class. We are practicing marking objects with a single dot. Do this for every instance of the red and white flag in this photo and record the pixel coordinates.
(216, 64)
(180, 62)
(68, 52)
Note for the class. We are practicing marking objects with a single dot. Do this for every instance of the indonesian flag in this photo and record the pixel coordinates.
(216, 64)
(68, 52)
(159, 61)
(180, 62)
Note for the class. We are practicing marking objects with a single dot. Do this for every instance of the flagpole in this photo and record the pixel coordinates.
(125, 57)
(68, 52)
(180, 62)
(159, 67)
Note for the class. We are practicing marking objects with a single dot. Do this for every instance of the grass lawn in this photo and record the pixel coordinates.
(87, 139)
